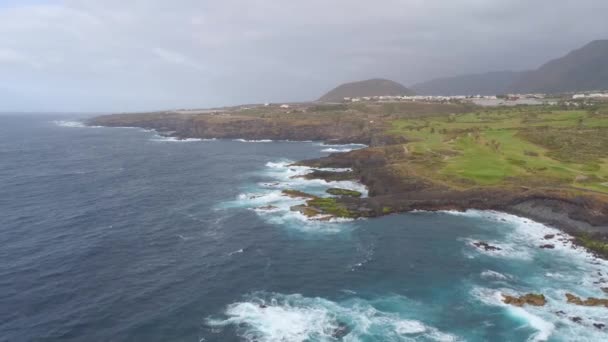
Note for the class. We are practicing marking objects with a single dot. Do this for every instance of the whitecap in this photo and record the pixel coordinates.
(493, 275)
(494, 297)
(268, 200)
(278, 317)
(254, 141)
(336, 150)
(70, 124)
(236, 252)
(353, 146)
(544, 328)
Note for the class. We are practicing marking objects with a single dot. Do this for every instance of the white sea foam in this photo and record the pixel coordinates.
(573, 270)
(161, 138)
(254, 141)
(492, 275)
(236, 252)
(341, 148)
(544, 328)
(268, 200)
(507, 250)
(70, 124)
(494, 297)
(524, 236)
(336, 150)
(277, 317)
(353, 145)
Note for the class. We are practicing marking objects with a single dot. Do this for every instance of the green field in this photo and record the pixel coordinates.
(523, 146)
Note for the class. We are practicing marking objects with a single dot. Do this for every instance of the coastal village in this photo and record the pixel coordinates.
(509, 100)
(486, 100)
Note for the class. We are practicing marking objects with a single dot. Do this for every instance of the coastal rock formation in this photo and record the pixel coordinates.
(403, 175)
(237, 126)
(297, 194)
(485, 246)
(528, 299)
(343, 192)
(587, 302)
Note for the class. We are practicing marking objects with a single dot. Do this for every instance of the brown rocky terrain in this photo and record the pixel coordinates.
(392, 192)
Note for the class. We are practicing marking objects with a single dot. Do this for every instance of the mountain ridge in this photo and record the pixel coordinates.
(488, 83)
(582, 69)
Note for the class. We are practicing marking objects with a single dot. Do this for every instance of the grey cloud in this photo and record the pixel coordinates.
(135, 55)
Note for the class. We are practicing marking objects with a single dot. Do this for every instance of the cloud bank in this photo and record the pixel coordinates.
(110, 55)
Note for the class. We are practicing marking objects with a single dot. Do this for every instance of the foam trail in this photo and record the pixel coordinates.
(279, 317)
(236, 252)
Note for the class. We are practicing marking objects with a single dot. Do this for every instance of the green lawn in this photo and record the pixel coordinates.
(512, 146)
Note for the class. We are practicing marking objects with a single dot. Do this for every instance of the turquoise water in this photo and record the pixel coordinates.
(119, 234)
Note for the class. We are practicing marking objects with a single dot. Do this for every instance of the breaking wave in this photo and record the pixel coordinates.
(573, 270)
(266, 198)
(341, 148)
(70, 124)
(254, 141)
(279, 317)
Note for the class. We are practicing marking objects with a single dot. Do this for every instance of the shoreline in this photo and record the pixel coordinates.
(572, 212)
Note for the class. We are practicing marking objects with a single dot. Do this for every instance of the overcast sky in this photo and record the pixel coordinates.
(128, 55)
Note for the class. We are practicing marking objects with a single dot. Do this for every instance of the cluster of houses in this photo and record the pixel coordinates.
(413, 98)
(590, 96)
(423, 98)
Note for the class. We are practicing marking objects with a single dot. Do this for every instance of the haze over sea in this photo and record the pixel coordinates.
(114, 234)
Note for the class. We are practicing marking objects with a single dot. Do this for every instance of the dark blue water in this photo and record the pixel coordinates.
(110, 234)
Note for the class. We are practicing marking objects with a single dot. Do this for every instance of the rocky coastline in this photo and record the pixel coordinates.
(583, 215)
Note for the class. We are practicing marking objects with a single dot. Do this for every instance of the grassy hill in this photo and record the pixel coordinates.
(373, 87)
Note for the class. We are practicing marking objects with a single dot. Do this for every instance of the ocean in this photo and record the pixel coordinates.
(119, 234)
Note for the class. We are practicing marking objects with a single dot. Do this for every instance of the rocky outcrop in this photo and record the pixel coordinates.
(379, 168)
(486, 246)
(591, 301)
(528, 299)
(343, 192)
(297, 194)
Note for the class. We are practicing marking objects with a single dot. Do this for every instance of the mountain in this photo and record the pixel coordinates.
(490, 83)
(373, 87)
(582, 69)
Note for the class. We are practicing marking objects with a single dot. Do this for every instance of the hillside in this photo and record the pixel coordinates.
(490, 83)
(582, 69)
(373, 87)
